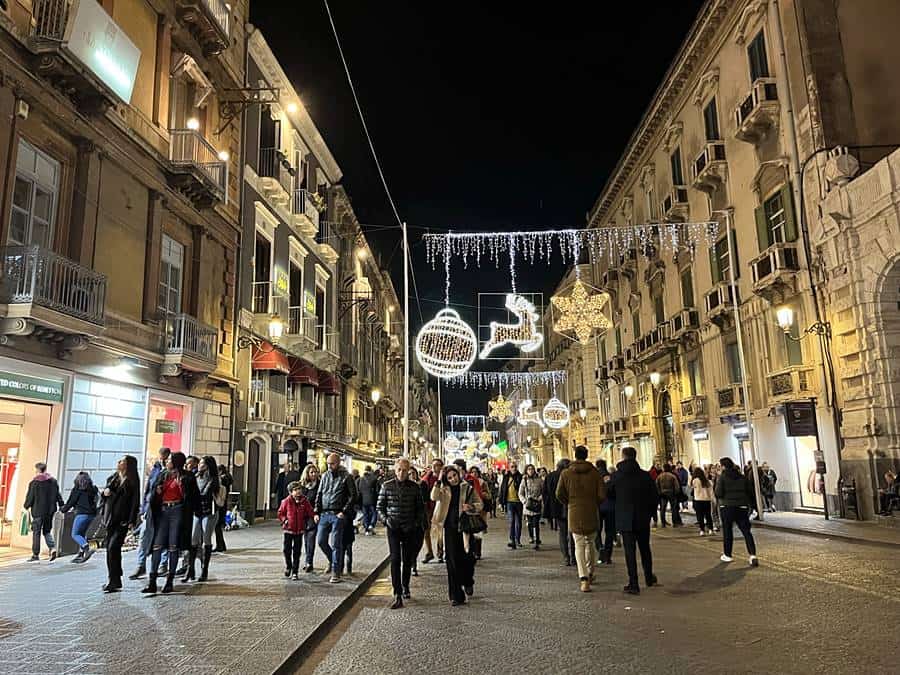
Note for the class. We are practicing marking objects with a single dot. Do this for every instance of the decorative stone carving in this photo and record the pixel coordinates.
(707, 86)
(672, 136)
(16, 326)
(840, 168)
(627, 210)
(648, 175)
(750, 17)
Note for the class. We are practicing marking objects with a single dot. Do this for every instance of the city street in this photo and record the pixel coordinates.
(812, 605)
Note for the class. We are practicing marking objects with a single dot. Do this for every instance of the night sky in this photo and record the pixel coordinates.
(485, 116)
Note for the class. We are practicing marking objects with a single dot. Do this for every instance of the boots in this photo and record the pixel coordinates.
(170, 577)
(150, 588)
(190, 568)
(204, 568)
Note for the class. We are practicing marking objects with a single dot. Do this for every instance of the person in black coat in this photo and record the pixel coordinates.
(369, 487)
(607, 513)
(402, 509)
(42, 500)
(560, 513)
(83, 500)
(226, 481)
(121, 512)
(636, 497)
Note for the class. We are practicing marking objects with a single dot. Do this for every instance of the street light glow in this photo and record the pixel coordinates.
(376, 395)
(629, 391)
(785, 316)
(276, 328)
(655, 378)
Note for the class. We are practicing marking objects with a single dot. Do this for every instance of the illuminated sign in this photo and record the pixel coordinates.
(100, 44)
(309, 303)
(37, 388)
(282, 282)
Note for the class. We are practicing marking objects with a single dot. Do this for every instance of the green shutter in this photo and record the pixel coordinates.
(736, 259)
(714, 271)
(790, 217)
(763, 233)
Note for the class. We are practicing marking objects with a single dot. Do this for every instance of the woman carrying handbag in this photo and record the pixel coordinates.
(531, 494)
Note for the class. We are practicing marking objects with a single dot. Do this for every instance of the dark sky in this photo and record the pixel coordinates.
(485, 116)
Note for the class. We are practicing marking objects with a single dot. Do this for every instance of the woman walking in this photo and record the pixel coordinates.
(309, 487)
(205, 518)
(531, 495)
(453, 498)
(703, 499)
(83, 499)
(735, 495)
(121, 507)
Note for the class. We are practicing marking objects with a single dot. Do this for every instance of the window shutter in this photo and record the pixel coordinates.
(736, 260)
(714, 271)
(790, 218)
(763, 233)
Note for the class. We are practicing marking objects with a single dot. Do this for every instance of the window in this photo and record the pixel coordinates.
(262, 274)
(659, 309)
(774, 210)
(35, 197)
(792, 347)
(602, 342)
(694, 381)
(719, 260)
(711, 121)
(775, 222)
(687, 288)
(756, 54)
(618, 340)
(733, 362)
(171, 276)
(677, 173)
(651, 205)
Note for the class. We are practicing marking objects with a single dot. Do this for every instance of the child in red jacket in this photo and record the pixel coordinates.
(294, 513)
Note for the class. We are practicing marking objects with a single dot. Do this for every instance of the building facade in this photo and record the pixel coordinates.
(739, 133)
(119, 228)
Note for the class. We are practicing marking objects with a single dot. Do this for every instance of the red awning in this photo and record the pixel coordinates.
(303, 373)
(267, 357)
(329, 384)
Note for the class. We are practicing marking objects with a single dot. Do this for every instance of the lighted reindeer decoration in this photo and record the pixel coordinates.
(523, 334)
(528, 416)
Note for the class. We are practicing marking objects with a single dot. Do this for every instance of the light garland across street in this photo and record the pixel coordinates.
(507, 381)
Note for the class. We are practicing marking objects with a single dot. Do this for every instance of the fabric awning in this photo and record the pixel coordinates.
(266, 357)
(303, 373)
(328, 384)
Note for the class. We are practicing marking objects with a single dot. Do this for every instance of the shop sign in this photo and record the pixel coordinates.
(37, 388)
(800, 418)
(309, 302)
(166, 426)
(100, 44)
(282, 282)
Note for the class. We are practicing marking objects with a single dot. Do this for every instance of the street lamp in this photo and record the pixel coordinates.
(376, 396)
(629, 391)
(785, 317)
(291, 108)
(655, 378)
(276, 330)
(193, 124)
(583, 413)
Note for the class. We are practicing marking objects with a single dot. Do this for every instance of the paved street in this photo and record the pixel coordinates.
(247, 619)
(812, 605)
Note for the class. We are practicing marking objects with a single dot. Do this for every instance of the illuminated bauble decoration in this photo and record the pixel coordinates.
(523, 334)
(500, 408)
(485, 437)
(556, 414)
(528, 416)
(581, 312)
(446, 346)
(451, 443)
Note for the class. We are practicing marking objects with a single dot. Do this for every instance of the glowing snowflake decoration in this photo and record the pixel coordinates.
(581, 312)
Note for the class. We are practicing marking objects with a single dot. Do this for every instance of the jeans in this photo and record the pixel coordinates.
(79, 527)
(115, 537)
(672, 501)
(146, 544)
(585, 554)
(605, 545)
(404, 546)
(168, 532)
(703, 510)
(534, 528)
(740, 516)
(460, 565)
(640, 539)
(330, 526)
(370, 517)
(309, 542)
(292, 545)
(566, 542)
(42, 524)
(514, 518)
(203, 530)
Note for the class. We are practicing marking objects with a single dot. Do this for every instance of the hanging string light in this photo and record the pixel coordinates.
(495, 380)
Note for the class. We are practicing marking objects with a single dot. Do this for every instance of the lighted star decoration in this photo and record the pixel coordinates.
(581, 312)
(485, 437)
(500, 409)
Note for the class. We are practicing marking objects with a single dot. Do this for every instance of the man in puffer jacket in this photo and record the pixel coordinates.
(402, 509)
(669, 488)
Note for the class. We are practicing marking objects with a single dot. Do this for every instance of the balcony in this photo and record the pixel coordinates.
(267, 407)
(50, 297)
(300, 412)
(262, 297)
(775, 272)
(693, 410)
(305, 213)
(300, 330)
(628, 263)
(651, 343)
(719, 304)
(684, 323)
(275, 175)
(327, 242)
(615, 365)
(730, 399)
(209, 21)
(195, 168)
(790, 384)
(324, 349)
(83, 53)
(630, 355)
(758, 113)
(601, 375)
(189, 344)
(326, 425)
(709, 168)
(674, 206)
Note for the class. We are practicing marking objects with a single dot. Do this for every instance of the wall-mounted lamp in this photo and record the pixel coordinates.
(276, 330)
(376, 396)
(629, 390)
(655, 378)
(582, 413)
(193, 124)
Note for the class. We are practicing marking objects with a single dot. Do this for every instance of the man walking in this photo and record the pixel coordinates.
(635, 494)
(509, 499)
(334, 502)
(558, 511)
(145, 545)
(582, 490)
(402, 511)
(434, 536)
(226, 481)
(43, 499)
(369, 487)
(669, 488)
(607, 519)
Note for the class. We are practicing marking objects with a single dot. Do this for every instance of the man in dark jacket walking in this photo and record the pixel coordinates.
(148, 531)
(636, 497)
(607, 519)
(402, 509)
(509, 499)
(735, 495)
(560, 513)
(335, 500)
(369, 487)
(43, 499)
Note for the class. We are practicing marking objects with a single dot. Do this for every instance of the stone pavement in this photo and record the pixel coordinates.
(812, 605)
(246, 619)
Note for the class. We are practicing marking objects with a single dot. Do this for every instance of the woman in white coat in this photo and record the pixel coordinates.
(531, 495)
(452, 498)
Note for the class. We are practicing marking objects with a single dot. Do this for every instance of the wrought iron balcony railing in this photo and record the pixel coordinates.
(188, 148)
(187, 336)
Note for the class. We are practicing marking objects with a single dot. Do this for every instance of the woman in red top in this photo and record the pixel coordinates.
(294, 513)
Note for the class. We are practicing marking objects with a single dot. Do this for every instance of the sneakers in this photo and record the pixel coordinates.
(726, 558)
(34, 558)
(585, 585)
(427, 559)
(53, 555)
(632, 590)
(80, 557)
(470, 590)
(308, 568)
(406, 594)
(88, 552)
(295, 577)
(335, 579)
(138, 573)
(702, 533)
(287, 572)
(754, 561)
